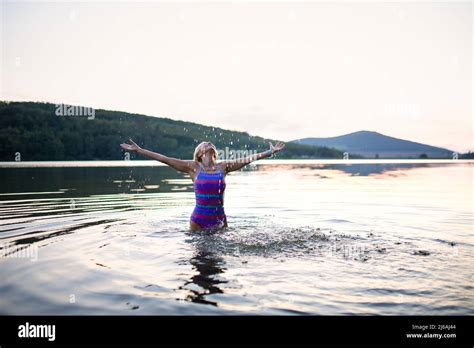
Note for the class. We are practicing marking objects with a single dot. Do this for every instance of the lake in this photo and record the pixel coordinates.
(304, 237)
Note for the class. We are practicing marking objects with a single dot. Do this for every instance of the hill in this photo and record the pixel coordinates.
(373, 145)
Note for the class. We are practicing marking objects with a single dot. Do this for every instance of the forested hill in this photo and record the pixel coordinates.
(38, 134)
(376, 145)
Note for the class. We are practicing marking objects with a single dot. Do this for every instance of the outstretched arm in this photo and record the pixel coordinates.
(180, 165)
(231, 166)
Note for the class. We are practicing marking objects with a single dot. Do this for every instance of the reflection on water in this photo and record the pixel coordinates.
(88, 181)
(205, 282)
(370, 168)
(313, 238)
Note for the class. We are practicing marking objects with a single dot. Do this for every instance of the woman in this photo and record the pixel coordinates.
(208, 177)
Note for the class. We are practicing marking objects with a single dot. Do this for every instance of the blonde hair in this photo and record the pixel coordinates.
(198, 149)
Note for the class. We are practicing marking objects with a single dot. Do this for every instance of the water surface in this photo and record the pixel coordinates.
(304, 238)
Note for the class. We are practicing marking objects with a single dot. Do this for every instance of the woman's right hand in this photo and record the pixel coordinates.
(130, 147)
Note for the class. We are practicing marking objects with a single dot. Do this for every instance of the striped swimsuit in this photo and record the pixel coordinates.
(209, 189)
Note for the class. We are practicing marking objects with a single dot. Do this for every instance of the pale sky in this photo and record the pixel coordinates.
(283, 70)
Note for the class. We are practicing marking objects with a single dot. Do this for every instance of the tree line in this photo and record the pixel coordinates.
(37, 133)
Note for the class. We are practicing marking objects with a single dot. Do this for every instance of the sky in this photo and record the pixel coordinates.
(283, 70)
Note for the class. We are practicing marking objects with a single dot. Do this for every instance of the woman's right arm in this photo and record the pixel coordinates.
(180, 165)
(231, 166)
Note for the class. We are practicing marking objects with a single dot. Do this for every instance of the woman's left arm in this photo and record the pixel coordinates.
(230, 166)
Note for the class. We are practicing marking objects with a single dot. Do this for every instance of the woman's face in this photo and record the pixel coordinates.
(208, 150)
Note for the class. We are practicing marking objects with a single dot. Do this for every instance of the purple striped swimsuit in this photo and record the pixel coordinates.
(209, 189)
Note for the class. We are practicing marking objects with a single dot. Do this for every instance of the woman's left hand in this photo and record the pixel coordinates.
(278, 147)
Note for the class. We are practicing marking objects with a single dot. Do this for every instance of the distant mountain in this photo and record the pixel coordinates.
(35, 133)
(373, 145)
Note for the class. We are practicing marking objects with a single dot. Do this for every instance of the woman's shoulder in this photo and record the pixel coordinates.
(194, 168)
(222, 166)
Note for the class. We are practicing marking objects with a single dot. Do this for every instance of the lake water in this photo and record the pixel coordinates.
(304, 237)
